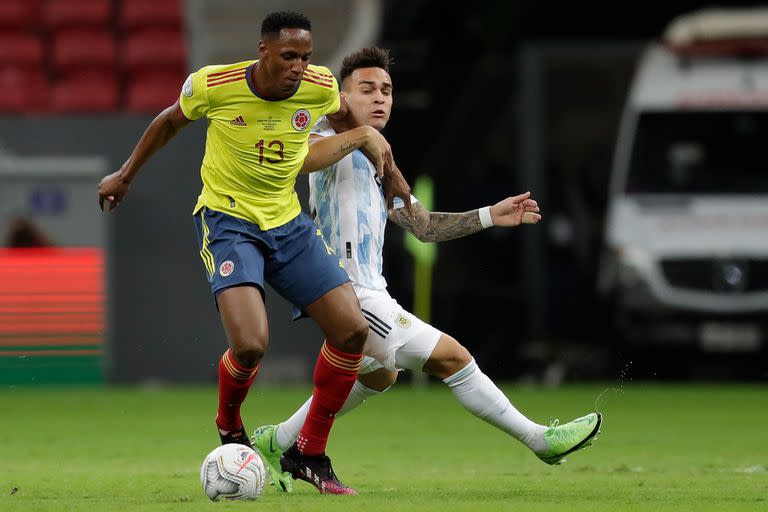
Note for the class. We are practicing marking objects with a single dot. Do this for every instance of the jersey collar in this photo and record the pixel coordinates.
(259, 94)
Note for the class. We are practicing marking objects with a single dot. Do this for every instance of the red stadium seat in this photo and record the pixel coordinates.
(153, 93)
(18, 15)
(68, 14)
(25, 90)
(73, 51)
(20, 50)
(85, 93)
(154, 51)
(139, 15)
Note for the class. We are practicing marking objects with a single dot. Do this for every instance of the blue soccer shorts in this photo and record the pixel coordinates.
(294, 258)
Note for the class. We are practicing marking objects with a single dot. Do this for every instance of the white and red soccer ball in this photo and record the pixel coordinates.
(233, 472)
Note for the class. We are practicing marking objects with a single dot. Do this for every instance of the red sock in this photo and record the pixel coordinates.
(234, 382)
(335, 374)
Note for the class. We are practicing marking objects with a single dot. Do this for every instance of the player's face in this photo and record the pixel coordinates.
(286, 57)
(369, 96)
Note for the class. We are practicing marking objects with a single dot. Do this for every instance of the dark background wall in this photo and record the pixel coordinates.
(503, 97)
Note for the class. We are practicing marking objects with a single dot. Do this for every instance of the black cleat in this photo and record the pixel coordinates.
(315, 469)
(236, 436)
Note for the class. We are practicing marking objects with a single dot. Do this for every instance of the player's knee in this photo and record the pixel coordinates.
(248, 352)
(352, 338)
(448, 361)
(355, 338)
(461, 357)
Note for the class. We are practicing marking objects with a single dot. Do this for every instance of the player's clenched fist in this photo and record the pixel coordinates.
(112, 188)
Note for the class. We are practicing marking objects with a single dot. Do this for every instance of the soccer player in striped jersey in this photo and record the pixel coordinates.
(351, 211)
(250, 225)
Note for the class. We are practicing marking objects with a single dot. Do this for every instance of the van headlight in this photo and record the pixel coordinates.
(634, 266)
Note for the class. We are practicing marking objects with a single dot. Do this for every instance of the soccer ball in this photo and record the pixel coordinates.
(233, 472)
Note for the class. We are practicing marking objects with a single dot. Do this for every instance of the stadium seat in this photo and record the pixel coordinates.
(140, 15)
(154, 51)
(18, 15)
(73, 51)
(76, 14)
(20, 50)
(85, 93)
(153, 93)
(25, 90)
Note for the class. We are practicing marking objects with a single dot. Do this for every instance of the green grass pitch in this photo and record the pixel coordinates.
(662, 447)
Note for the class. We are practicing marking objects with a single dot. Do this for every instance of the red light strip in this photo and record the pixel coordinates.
(51, 298)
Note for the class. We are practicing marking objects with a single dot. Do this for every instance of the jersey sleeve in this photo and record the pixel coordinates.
(323, 128)
(333, 102)
(193, 99)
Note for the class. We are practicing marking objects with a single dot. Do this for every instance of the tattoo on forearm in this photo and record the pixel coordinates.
(345, 148)
(438, 226)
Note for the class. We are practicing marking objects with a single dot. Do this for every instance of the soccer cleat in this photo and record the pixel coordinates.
(564, 439)
(315, 469)
(266, 444)
(236, 436)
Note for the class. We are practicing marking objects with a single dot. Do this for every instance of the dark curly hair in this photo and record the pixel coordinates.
(371, 57)
(276, 21)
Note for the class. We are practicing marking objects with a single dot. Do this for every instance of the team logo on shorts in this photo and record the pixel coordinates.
(403, 321)
(226, 268)
(301, 120)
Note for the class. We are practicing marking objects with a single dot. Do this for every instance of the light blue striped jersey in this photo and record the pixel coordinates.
(348, 204)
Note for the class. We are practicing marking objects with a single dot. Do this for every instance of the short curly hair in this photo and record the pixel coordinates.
(276, 21)
(371, 57)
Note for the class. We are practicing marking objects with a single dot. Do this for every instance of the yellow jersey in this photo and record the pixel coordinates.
(255, 146)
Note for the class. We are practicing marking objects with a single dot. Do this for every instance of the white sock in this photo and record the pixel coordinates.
(480, 396)
(288, 431)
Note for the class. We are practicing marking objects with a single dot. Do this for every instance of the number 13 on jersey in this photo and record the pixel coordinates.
(273, 143)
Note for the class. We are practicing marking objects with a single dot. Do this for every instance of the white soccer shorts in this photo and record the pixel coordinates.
(397, 340)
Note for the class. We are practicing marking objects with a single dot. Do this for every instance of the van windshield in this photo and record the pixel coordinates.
(713, 152)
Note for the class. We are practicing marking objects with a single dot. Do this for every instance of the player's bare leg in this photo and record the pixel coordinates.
(338, 315)
(378, 380)
(244, 318)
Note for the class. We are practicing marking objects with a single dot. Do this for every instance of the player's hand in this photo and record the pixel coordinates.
(516, 210)
(112, 188)
(394, 185)
(378, 150)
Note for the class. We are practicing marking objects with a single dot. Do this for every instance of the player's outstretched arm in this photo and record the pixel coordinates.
(163, 128)
(438, 226)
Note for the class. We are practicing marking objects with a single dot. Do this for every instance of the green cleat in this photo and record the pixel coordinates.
(564, 439)
(265, 443)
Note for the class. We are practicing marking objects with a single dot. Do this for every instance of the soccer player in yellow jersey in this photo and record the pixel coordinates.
(250, 226)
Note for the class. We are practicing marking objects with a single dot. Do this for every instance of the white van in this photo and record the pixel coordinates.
(686, 259)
